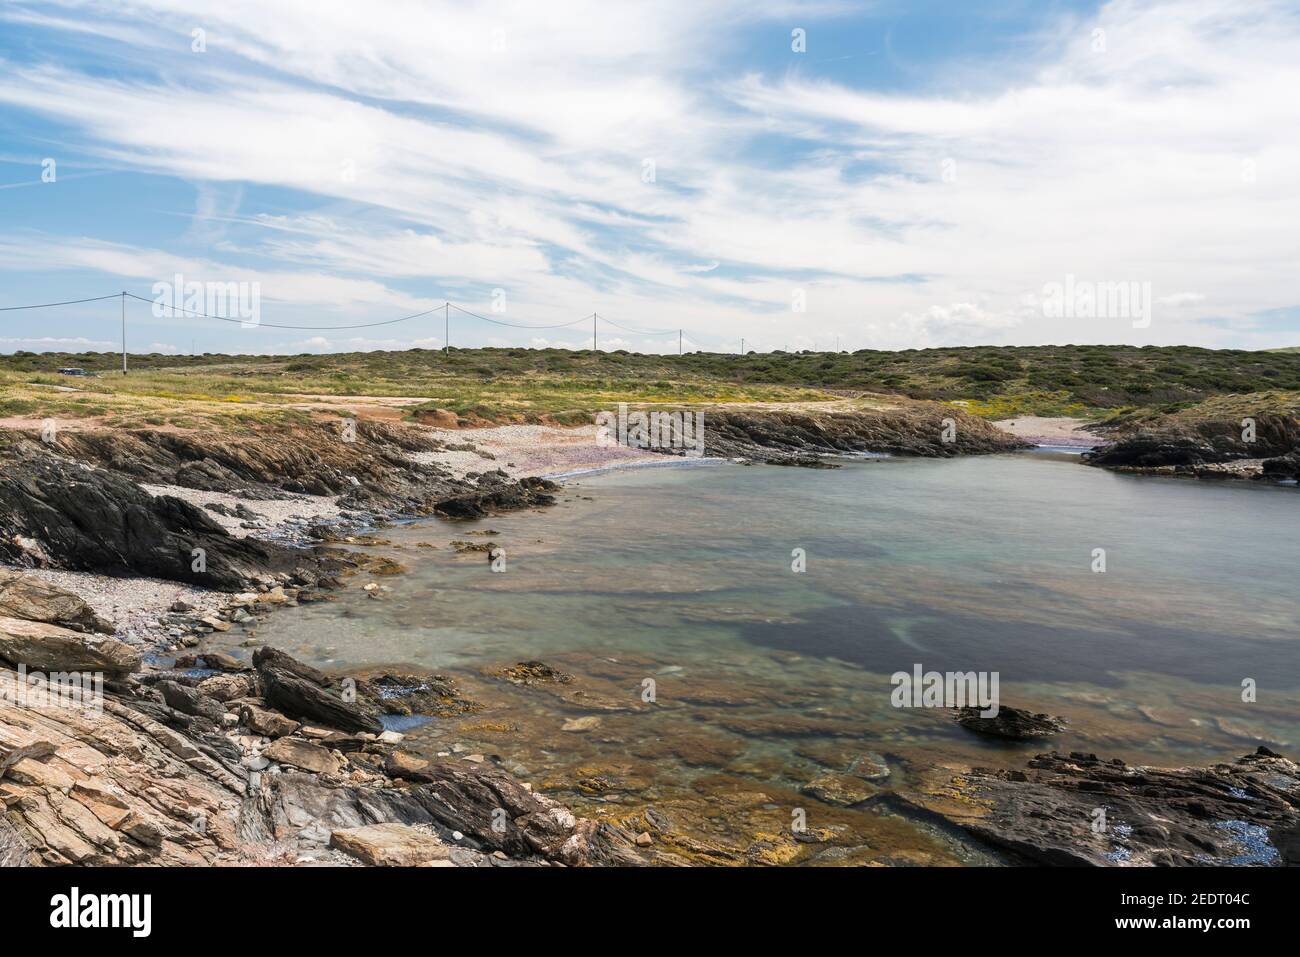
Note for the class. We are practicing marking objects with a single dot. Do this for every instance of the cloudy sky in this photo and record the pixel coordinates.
(877, 175)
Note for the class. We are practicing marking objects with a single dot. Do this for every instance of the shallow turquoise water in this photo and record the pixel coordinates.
(684, 576)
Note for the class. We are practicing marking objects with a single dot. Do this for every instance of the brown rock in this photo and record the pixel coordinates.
(390, 845)
(29, 598)
(302, 754)
(45, 647)
(405, 765)
(263, 721)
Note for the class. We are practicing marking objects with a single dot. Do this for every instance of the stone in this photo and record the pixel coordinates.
(29, 598)
(191, 701)
(45, 647)
(586, 723)
(262, 721)
(302, 754)
(227, 687)
(389, 845)
(841, 790)
(1012, 723)
(300, 698)
(403, 764)
(215, 623)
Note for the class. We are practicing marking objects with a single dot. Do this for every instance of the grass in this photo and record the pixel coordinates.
(567, 386)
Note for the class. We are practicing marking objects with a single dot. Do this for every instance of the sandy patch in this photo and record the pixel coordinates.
(522, 450)
(276, 516)
(1062, 431)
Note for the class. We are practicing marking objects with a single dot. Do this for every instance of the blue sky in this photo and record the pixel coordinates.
(915, 176)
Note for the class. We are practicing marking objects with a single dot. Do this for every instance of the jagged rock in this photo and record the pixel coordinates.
(56, 511)
(1077, 809)
(498, 495)
(23, 596)
(1283, 467)
(390, 845)
(306, 701)
(532, 672)
(43, 647)
(270, 723)
(190, 701)
(468, 798)
(798, 437)
(1013, 723)
(228, 687)
(1172, 444)
(268, 657)
(302, 754)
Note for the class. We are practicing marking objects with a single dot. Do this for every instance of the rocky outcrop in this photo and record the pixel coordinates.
(1077, 809)
(390, 845)
(302, 699)
(1196, 446)
(799, 437)
(58, 513)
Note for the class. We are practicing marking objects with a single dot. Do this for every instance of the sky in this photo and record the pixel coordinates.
(884, 175)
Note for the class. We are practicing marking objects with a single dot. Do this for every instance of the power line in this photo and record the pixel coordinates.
(275, 325)
(70, 302)
(515, 325)
(639, 332)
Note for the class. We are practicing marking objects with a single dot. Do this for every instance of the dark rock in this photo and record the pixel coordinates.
(268, 657)
(1077, 809)
(306, 701)
(1012, 723)
(191, 701)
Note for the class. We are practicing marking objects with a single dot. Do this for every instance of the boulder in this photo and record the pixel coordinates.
(306, 701)
(27, 597)
(404, 765)
(270, 723)
(269, 657)
(1012, 723)
(191, 701)
(302, 754)
(389, 845)
(44, 647)
(228, 687)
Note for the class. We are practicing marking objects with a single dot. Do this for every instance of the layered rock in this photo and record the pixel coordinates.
(1077, 809)
(800, 436)
(1200, 446)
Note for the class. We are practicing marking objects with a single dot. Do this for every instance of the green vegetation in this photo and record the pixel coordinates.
(527, 384)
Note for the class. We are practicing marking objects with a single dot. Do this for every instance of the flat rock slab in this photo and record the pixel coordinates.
(302, 754)
(46, 647)
(390, 845)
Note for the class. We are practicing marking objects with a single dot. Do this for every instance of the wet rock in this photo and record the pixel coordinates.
(1247, 812)
(390, 845)
(433, 694)
(44, 647)
(29, 598)
(1012, 723)
(585, 723)
(841, 790)
(532, 672)
(498, 495)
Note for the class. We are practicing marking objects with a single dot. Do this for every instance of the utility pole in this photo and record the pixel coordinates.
(124, 332)
(446, 328)
(593, 332)
(679, 342)
(742, 345)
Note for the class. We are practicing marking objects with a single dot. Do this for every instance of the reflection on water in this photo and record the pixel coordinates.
(766, 681)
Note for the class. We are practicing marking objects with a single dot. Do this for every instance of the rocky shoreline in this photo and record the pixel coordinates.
(197, 758)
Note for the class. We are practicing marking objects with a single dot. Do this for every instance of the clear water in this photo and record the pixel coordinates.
(765, 678)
